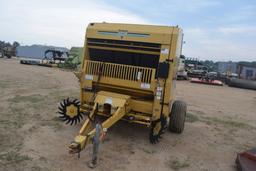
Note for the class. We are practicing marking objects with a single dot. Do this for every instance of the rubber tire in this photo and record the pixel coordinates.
(177, 117)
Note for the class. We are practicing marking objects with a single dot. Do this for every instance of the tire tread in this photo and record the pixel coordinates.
(177, 116)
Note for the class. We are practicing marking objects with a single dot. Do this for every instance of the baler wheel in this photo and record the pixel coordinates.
(69, 111)
(178, 116)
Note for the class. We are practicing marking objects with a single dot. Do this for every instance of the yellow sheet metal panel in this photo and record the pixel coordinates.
(131, 32)
(164, 41)
(134, 28)
(142, 106)
(115, 95)
(115, 102)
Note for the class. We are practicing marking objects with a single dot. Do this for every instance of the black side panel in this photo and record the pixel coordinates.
(126, 58)
(163, 70)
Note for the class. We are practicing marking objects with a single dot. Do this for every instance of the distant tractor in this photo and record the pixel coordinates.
(8, 52)
(74, 59)
(53, 57)
(195, 68)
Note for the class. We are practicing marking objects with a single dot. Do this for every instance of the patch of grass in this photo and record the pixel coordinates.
(6, 124)
(149, 151)
(31, 98)
(56, 119)
(55, 123)
(191, 117)
(36, 168)
(228, 123)
(178, 164)
(17, 116)
(3, 85)
(208, 122)
(63, 94)
(176, 142)
(11, 138)
(13, 157)
(43, 159)
(6, 84)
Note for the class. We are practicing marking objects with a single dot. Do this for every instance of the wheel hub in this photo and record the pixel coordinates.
(72, 110)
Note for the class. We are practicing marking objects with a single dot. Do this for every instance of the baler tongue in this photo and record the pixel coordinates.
(112, 104)
(246, 161)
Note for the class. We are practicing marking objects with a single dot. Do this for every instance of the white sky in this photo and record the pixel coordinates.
(56, 23)
(63, 23)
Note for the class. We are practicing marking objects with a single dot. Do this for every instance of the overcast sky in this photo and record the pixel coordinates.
(214, 29)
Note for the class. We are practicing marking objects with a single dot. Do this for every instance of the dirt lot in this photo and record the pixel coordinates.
(221, 121)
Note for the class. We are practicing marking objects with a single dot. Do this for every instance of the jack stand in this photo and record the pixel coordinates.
(96, 144)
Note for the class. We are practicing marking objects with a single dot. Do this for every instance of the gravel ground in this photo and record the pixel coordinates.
(221, 121)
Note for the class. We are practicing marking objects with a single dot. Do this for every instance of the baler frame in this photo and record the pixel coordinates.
(128, 73)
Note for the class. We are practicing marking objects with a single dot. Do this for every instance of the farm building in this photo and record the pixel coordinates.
(247, 72)
(36, 51)
(227, 67)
